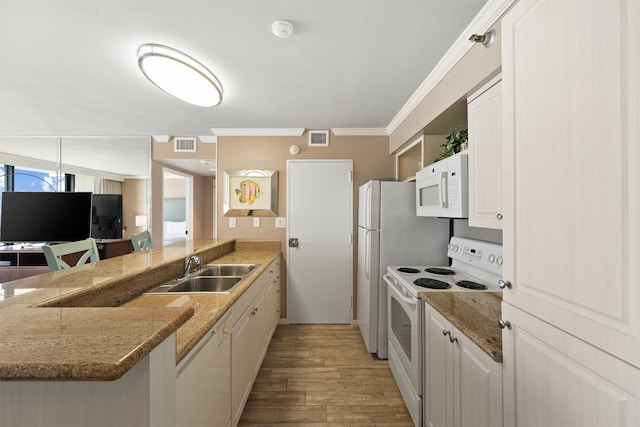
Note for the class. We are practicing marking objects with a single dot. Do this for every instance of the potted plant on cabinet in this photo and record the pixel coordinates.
(454, 142)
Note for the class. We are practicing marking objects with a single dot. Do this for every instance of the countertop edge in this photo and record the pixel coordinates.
(464, 308)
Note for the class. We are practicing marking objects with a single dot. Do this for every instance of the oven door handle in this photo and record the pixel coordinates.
(399, 293)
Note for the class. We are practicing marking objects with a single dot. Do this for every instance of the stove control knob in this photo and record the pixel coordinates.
(499, 260)
(492, 259)
(454, 248)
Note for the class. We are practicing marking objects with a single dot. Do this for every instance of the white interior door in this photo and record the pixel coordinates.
(320, 241)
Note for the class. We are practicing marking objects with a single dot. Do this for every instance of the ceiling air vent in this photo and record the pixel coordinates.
(184, 145)
(318, 138)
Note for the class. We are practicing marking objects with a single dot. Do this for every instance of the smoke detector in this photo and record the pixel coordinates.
(282, 29)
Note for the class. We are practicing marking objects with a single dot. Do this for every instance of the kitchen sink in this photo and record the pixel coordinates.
(226, 269)
(199, 284)
(212, 278)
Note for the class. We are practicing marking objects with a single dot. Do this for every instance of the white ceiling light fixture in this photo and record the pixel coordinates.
(179, 75)
(282, 29)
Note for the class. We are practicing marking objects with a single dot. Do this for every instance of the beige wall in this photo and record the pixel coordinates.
(164, 151)
(477, 66)
(370, 160)
(134, 202)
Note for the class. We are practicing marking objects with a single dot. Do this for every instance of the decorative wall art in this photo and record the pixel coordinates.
(250, 192)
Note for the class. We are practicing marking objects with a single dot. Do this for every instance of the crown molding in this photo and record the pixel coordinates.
(162, 138)
(360, 131)
(258, 131)
(485, 19)
(208, 139)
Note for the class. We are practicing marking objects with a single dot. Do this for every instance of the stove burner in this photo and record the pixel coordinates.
(408, 270)
(439, 270)
(431, 283)
(471, 285)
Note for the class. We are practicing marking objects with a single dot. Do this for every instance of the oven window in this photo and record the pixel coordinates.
(401, 326)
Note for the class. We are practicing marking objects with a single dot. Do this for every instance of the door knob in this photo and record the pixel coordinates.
(293, 242)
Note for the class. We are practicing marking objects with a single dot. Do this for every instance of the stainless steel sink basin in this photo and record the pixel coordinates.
(212, 278)
(198, 284)
(226, 269)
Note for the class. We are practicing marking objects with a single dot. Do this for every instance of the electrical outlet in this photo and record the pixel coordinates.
(232, 223)
(281, 222)
(256, 222)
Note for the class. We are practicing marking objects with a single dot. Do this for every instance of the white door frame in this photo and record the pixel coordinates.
(288, 230)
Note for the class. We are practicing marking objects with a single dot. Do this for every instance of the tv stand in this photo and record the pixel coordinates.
(27, 259)
(19, 261)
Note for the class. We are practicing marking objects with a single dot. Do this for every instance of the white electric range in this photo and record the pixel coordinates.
(476, 267)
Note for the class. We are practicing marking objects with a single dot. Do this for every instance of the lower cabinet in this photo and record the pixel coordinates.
(214, 380)
(203, 383)
(462, 384)
(251, 335)
(552, 378)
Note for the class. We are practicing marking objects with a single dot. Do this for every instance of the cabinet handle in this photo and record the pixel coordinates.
(504, 324)
(504, 284)
(499, 216)
(452, 339)
(445, 332)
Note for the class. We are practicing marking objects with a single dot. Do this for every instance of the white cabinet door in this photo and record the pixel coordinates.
(203, 383)
(571, 86)
(242, 363)
(554, 379)
(438, 371)
(272, 296)
(261, 332)
(250, 339)
(485, 158)
(463, 385)
(479, 380)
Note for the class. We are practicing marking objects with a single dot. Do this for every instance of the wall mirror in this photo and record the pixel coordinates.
(102, 165)
(250, 192)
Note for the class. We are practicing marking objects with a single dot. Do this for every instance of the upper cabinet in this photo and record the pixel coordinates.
(571, 92)
(485, 156)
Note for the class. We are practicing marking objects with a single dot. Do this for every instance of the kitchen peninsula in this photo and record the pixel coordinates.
(85, 346)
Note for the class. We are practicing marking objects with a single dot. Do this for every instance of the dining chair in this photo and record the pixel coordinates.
(54, 253)
(141, 241)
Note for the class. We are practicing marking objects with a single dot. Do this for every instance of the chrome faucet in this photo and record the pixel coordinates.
(189, 260)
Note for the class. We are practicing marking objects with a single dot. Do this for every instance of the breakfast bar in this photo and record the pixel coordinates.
(88, 346)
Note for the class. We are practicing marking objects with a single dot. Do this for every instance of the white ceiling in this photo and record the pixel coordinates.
(69, 67)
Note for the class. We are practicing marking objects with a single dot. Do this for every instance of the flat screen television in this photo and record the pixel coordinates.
(106, 216)
(44, 217)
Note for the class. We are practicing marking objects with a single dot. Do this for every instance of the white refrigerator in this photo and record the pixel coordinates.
(390, 233)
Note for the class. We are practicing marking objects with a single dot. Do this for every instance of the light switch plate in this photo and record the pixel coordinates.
(232, 223)
(256, 222)
(281, 222)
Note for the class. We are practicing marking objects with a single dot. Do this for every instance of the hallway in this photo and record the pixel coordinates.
(322, 375)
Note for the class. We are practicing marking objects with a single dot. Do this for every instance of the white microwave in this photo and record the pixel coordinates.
(442, 188)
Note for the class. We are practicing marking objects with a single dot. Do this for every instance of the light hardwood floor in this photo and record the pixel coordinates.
(322, 375)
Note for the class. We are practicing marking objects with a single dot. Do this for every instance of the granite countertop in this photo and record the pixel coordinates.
(209, 308)
(93, 322)
(475, 314)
